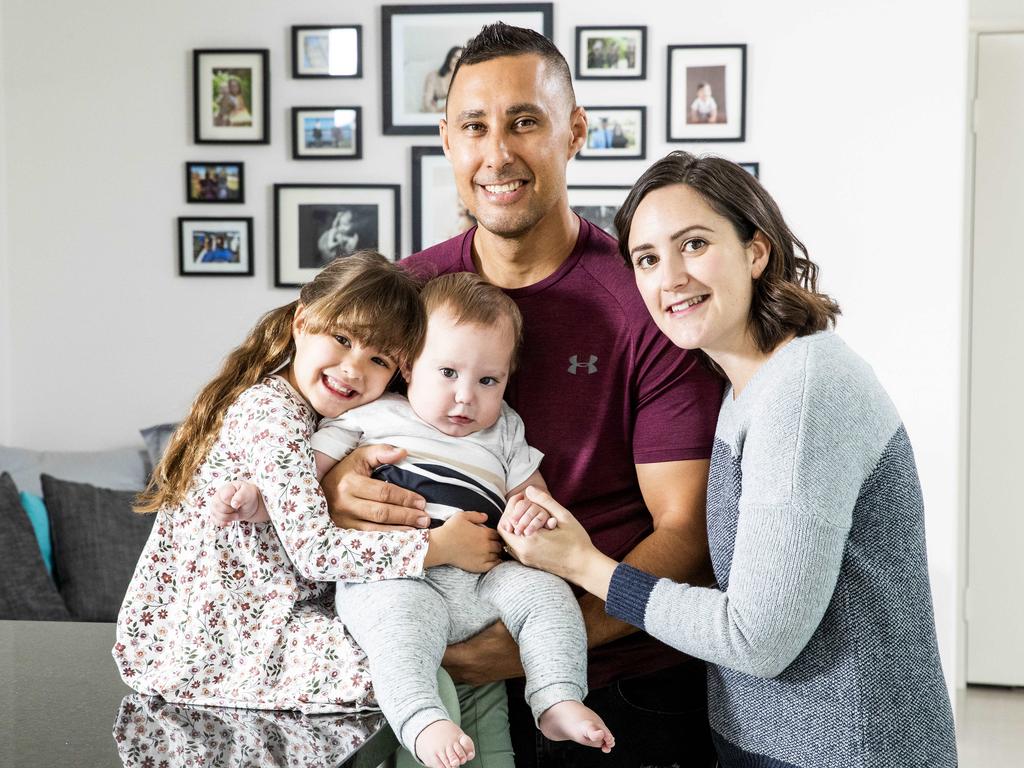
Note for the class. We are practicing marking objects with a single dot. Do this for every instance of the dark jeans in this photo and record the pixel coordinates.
(659, 720)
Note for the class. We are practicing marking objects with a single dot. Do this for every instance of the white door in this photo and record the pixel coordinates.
(995, 575)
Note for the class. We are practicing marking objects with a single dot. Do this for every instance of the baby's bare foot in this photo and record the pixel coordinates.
(572, 721)
(442, 744)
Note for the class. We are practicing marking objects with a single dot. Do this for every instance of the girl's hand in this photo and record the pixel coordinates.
(238, 501)
(565, 551)
(465, 542)
(522, 517)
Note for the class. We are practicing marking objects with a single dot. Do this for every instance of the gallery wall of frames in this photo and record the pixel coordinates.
(704, 102)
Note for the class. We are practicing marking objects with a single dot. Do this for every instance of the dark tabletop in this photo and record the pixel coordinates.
(62, 703)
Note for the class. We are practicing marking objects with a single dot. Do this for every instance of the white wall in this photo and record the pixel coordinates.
(858, 125)
(5, 281)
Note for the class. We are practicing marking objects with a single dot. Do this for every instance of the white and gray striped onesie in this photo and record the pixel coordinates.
(404, 625)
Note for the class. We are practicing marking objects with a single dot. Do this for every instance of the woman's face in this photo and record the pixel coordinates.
(695, 275)
(234, 87)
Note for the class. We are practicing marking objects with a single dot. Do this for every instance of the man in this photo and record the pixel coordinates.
(625, 419)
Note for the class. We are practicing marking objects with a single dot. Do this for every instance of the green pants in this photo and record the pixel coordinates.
(482, 712)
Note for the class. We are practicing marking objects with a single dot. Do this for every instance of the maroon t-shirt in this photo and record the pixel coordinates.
(599, 389)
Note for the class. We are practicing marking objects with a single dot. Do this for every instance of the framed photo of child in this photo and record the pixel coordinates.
(316, 223)
(707, 92)
(327, 133)
(213, 246)
(327, 51)
(231, 96)
(219, 182)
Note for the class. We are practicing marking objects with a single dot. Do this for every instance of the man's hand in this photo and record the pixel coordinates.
(487, 657)
(237, 502)
(356, 500)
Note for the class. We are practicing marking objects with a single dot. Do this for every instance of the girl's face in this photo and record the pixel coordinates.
(695, 275)
(335, 373)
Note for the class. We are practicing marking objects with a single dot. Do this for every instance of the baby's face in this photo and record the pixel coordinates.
(457, 383)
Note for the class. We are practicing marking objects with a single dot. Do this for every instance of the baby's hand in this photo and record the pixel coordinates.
(238, 501)
(523, 517)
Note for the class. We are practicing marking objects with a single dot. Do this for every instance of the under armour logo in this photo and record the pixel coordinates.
(590, 365)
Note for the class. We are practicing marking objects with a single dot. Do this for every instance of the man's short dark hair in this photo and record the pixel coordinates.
(500, 39)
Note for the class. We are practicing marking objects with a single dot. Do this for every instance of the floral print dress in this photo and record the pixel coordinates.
(243, 616)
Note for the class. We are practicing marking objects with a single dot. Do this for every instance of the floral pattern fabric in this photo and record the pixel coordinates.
(243, 616)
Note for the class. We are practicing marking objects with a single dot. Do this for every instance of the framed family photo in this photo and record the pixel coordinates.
(611, 53)
(437, 211)
(707, 92)
(598, 204)
(231, 96)
(327, 51)
(222, 182)
(316, 223)
(422, 43)
(327, 133)
(210, 246)
(615, 133)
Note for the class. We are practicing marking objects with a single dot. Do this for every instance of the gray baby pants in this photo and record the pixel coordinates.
(404, 626)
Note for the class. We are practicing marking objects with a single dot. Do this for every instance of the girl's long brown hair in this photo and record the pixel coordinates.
(363, 294)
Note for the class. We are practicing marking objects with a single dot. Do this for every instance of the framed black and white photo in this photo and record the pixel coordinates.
(231, 96)
(598, 204)
(212, 246)
(316, 223)
(327, 133)
(437, 211)
(422, 43)
(218, 182)
(707, 92)
(611, 53)
(754, 169)
(327, 51)
(615, 133)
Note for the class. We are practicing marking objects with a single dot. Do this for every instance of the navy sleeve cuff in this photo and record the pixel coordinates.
(628, 593)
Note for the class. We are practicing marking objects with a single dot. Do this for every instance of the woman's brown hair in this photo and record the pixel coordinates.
(363, 295)
(786, 300)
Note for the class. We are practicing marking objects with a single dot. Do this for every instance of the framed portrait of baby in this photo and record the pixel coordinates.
(316, 223)
(707, 92)
(231, 96)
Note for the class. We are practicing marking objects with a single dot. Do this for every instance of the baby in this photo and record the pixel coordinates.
(466, 451)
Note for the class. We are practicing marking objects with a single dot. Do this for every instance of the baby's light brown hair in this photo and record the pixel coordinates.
(471, 299)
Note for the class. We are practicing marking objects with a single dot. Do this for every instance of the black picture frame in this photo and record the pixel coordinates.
(463, 21)
(589, 69)
(324, 148)
(598, 203)
(215, 120)
(220, 229)
(754, 169)
(635, 120)
(196, 192)
(437, 211)
(302, 41)
(721, 67)
(308, 233)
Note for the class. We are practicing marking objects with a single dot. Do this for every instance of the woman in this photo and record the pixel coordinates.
(435, 87)
(820, 631)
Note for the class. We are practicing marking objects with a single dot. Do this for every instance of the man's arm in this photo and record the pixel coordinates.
(677, 548)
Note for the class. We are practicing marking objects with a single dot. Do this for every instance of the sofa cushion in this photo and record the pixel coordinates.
(26, 590)
(40, 520)
(157, 437)
(97, 539)
(122, 469)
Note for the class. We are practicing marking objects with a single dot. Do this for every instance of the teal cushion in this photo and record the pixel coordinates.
(36, 511)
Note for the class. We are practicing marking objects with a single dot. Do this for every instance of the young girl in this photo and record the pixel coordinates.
(241, 616)
(466, 450)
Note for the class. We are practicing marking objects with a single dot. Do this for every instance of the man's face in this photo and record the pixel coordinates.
(509, 132)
